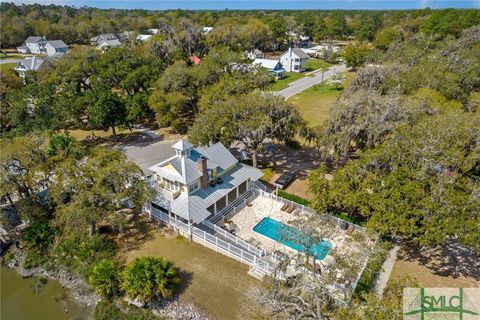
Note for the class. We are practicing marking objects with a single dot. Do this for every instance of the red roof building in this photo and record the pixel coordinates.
(195, 59)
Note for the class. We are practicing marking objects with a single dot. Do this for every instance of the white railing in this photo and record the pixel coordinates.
(304, 209)
(214, 242)
(236, 205)
(235, 239)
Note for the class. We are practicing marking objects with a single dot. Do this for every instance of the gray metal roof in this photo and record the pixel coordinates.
(194, 206)
(298, 52)
(186, 171)
(182, 145)
(30, 64)
(35, 39)
(57, 44)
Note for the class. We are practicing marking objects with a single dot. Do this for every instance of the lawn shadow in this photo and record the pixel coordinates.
(138, 231)
(448, 260)
(185, 280)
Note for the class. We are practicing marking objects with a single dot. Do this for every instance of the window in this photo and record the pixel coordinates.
(297, 60)
(169, 184)
(295, 67)
(193, 187)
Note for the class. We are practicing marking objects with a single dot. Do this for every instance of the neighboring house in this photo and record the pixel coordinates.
(106, 44)
(23, 49)
(143, 37)
(195, 59)
(28, 64)
(56, 48)
(199, 183)
(207, 29)
(255, 54)
(98, 40)
(154, 31)
(125, 35)
(36, 45)
(294, 60)
(273, 66)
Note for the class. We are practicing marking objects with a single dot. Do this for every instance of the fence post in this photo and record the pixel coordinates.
(216, 244)
(228, 248)
(204, 238)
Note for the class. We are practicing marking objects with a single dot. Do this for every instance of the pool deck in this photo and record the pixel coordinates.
(261, 207)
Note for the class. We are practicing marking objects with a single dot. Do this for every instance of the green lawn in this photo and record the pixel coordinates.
(283, 83)
(315, 102)
(7, 66)
(214, 282)
(315, 64)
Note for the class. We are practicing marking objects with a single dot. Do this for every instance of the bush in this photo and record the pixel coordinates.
(293, 198)
(293, 144)
(80, 253)
(149, 278)
(39, 235)
(33, 259)
(374, 266)
(179, 126)
(105, 278)
(38, 284)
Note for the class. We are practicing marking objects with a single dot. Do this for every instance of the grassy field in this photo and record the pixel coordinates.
(7, 66)
(315, 64)
(315, 102)
(283, 83)
(212, 281)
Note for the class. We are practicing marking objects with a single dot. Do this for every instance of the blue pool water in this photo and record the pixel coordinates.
(282, 233)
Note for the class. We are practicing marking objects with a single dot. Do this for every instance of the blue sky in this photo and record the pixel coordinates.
(264, 4)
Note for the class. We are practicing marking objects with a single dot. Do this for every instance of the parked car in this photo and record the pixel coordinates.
(284, 180)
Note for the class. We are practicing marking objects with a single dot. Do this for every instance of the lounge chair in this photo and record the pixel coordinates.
(290, 209)
(250, 240)
(285, 207)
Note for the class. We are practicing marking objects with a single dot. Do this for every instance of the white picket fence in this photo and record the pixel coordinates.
(304, 209)
(235, 251)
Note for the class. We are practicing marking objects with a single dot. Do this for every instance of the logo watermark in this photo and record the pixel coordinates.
(441, 303)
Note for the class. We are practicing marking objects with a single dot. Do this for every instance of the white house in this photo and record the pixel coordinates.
(28, 64)
(255, 54)
(199, 183)
(294, 60)
(106, 44)
(143, 37)
(154, 31)
(56, 48)
(98, 40)
(23, 49)
(273, 66)
(36, 45)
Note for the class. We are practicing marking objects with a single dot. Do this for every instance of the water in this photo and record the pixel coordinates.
(282, 233)
(19, 302)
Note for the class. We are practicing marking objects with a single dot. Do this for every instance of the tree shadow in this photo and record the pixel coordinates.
(138, 231)
(448, 260)
(186, 280)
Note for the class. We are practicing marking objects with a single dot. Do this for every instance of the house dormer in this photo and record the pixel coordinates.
(183, 148)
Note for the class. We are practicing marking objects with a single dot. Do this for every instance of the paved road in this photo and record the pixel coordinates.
(304, 83)
(9, 60)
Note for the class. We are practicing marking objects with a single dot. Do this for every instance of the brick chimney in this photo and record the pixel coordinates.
(202, 167)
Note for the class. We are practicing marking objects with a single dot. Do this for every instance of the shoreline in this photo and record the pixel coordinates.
(79, 289)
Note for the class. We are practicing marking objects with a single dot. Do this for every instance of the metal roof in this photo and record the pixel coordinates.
(35, 39)
(267, 63)
(30, 64)
(194, 206)
(57, 44)
(182, 145)
(297, 51)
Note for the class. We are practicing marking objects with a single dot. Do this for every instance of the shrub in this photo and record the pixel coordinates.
(105, 278)
(149, 278)
(293, 198)
(39, 235)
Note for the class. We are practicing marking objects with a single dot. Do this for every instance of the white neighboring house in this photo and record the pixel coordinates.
(106, 44)
(207, 29)
(36, 45)
(198, 183)
(154, 31)
(28, 64)
(294, 60)
(56, 48)
(255, 54)
(98, 40)
(23, 49)
(143, 37)
(273, 66)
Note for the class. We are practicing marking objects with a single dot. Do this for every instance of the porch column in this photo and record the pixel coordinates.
(237, 191)
(215, 208)
(226, 200)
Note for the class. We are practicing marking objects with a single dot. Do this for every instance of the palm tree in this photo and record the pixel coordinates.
(105, 278)
(149, 278)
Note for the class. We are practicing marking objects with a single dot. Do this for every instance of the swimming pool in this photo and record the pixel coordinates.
(286, 235)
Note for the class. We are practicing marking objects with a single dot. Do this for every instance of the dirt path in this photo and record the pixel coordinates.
(387, 267)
